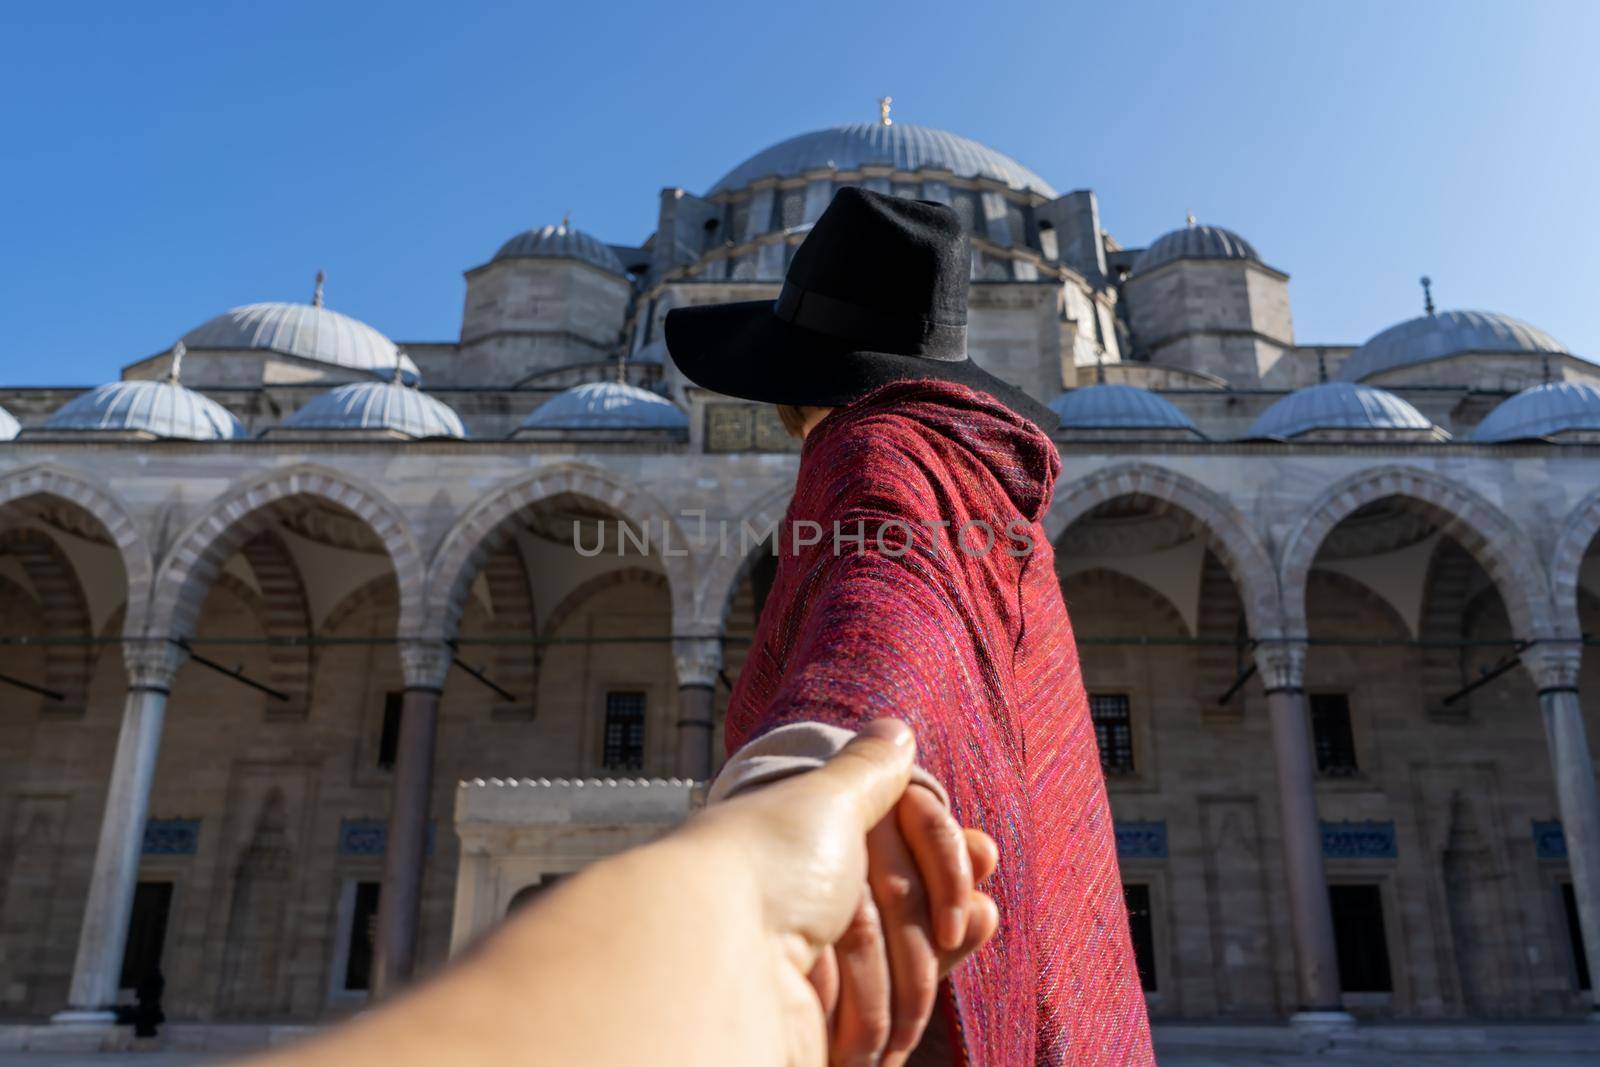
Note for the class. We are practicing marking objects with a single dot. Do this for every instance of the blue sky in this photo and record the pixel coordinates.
(164, 162)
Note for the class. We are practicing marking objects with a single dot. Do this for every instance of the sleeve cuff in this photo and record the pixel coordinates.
(790, 750)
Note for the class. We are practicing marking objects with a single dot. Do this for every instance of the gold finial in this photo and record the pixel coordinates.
(1190, 219)
(566, 219)
(175, 372)
(316, 294)
(883, 110)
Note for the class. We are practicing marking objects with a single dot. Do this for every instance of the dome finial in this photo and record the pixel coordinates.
(1322, 366)
(1427, 294)
(175, 372)
(1189, 218)
(883, 110)
(316, 294)
(1100, 367)
(566, 219)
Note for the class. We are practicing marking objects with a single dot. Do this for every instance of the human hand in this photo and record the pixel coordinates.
(801, 839)
(879, 983)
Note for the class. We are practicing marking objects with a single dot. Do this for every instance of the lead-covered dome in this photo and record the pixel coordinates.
(1119, 407)
(9, 426)
(1448, 333)
(901, 145)
(156, 408)
(1195, 242)
(1543, 411)
(304, 331)
(378, 407)
(1341, 406)
(606, 406)
(562, 242)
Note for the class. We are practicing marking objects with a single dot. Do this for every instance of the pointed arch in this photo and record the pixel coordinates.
(464, 550)
(201, 551)
(68, 667)
(1499, 545)
(1229, 534)
(1572, 546)
(720, 583)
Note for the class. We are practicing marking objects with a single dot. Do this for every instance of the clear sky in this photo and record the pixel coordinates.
(165, 161)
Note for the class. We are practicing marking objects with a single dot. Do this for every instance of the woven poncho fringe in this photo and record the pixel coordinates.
(971, 645)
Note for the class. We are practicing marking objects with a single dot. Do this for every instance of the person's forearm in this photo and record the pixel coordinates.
(642, 958)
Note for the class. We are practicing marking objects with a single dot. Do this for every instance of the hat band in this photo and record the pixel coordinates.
(868, 328)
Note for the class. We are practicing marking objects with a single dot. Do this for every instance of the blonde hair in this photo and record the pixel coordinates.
(793, 417)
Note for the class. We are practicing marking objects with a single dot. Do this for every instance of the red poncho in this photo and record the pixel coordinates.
(972, 647)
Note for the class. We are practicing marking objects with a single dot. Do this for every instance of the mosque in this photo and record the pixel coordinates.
(310, 667)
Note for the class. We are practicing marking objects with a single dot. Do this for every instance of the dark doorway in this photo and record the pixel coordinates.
(147, 932)
(363, 931)
(1359, 936)
(1142, 929)
(1580, 959)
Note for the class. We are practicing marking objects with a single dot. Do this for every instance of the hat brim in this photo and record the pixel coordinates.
(745, 351)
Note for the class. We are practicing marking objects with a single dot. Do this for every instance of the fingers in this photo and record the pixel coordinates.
(861, 1024)
(824, 979)
(983, 852)
(939, 846)
(872, 769)
(983, 921)
(903, 909)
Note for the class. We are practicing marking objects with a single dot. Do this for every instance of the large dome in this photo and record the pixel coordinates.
(378, 406)
(901, 145)
(606, 406)
(158, 408)
(562, 242)
(1118, 407)
(1543, 411)
(1338, 406)
(305, 331)
(1195, 242)
(1449, 333)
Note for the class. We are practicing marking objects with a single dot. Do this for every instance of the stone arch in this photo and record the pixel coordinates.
(720, 584)
(1577, 534)
(1125, 588)
(227, 526)
(1498, 544)
(464, 550)
(68, 667)
(138, 566)
(380, 589)
(1236, 543)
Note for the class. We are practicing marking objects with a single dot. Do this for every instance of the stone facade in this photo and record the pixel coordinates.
(249, 631)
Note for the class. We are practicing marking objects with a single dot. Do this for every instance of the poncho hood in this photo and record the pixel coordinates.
(1022, 461)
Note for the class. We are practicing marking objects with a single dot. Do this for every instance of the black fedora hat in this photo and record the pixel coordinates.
(876, 293)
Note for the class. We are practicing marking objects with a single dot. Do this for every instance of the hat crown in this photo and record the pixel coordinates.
(908, 259)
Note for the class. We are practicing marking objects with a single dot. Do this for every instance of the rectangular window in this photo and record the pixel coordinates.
(1142, 930)
(1113, 730)
(1359, 937)
(1331, 733)
(1569, 901)
(624, 740)
(363, 934)
(389, 735)
(147, 932)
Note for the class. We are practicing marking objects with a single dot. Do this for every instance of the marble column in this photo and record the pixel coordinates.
(97, 970)
(1554, 665)
(425, 664)
(699, 662)
(1282, 664)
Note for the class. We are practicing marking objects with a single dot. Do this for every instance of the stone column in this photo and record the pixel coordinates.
(425, 664)
(699, 663)
(1554, 666)
(98, 967)
(1283, 665)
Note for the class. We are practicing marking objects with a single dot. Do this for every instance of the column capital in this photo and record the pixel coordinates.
(151, 663)
(424, 662)
(1553, 662)
(698, 659)
(1282, 662)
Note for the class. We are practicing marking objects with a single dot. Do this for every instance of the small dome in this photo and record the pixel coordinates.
(1449, 333)
(305, 331)
(9, 426)
(158, 408)
(1195, 242)
(606, 406)
(1118, 407)
(902, 146)
(1337, 406)
(378, 406)
(562, 242)
(1543, 411)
